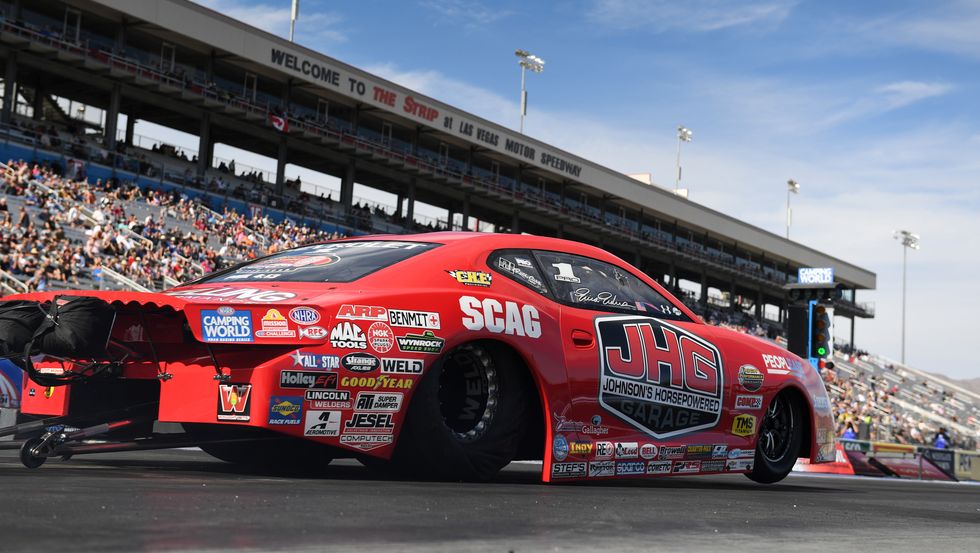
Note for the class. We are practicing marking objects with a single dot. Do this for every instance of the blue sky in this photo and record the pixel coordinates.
(872, 106)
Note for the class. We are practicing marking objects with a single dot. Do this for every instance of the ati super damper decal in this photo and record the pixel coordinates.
(660, 378)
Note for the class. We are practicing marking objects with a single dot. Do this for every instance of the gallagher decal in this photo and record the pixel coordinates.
(657, 377)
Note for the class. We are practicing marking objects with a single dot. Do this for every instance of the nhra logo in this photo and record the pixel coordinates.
(304, 315)
(658, 377)
(347, 336)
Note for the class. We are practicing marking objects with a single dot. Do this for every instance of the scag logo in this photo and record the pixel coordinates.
(743, 425)
(658, 377)
(508, 318)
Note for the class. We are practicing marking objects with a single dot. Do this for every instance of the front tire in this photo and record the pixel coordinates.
(468, 415)
(780, 440)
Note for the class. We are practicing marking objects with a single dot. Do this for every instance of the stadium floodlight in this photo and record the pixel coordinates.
(527, 61)
(792, 187)
(684, 134)
(909, 240)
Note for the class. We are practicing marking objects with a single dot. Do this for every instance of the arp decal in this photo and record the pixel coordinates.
(743, 425)
(507, 318)
(472, 278)
(362, 313)
(660, 378)
(234, 402)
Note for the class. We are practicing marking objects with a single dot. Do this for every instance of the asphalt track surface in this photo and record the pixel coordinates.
(184, 501)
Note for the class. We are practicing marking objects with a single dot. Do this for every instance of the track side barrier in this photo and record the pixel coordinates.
(880, 459)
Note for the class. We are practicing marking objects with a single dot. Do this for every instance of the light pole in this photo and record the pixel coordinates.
(792, 187)
(908, 240)
(527, 61)
(293, 16)
(684, 134)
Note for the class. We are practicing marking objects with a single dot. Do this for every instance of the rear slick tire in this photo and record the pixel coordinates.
(780, 440)
(467, 417)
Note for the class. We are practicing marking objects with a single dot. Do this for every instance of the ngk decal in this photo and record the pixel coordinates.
(506, 318)
(658, 377)
(381, 338)
(347, 336)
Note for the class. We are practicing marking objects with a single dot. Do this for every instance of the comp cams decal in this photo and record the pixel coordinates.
(657, 377)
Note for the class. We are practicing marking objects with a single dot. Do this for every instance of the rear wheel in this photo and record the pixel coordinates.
(468, 415)
(780, 439)
(265, 450)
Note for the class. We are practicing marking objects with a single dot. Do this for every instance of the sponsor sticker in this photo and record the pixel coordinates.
(648, 451)
(750, 378)
(348, 336)
(327, 395)
(381, 337)
(602, 469)
(274, 325)
(359, 362)
(699, 451)
(321, 423)
(226, 325)
(627, 450)
(383, 382)
(604, 450)
(658, 467)
(719, 451)
(741, 453)
(743, 425)
(580, 449)
(686, 467)
(427, 342)
(366, 442)
(362, 313)
(712, 466)
(285, 410)
(307, 379)
(391, 365)
(233, 402)
(328, 404)
(569, 470)
(425, 320)
(626, 468)
(777, 364)
(657, 377)
(379, 401)
(311, 360)
(748, 403)
(472, 278)
(739, 464)
(369, 423)
(312, 332)
(304, 315)
(500, 318)
(559, 448)
(672, 451)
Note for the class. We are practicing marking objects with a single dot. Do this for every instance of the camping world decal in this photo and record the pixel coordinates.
(659, 378)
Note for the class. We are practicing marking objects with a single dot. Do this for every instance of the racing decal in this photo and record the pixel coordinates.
(274, 325)
(559, 448)
(777, 364)
(310, 360)
(672, 452)
(359, 362)
(562, 424)
(509, 318)
(602, 469)
(380, 401)
(369, 423)
(227, 293)
(627, 450)
(233, 402)
(285, 410)
(686, 467)
(312, 332)
(658, 377)
(362, 313)
(366, 442)
(603, 298)
(748, 403)
(472, 278)
(380, 337)
(508, 266)
(739, 464)
(580, 449)
(348, 336)
(566, 273)
(648, 451)
(741, 453)
(522, 262)
(627, 468)
(719, 451)
(304, 315)
(382, 382)
(414, 319)
(750, 378)
(699, 451)
(307, 379)
(569, 470)
(604, 450)
(658, 467)
(712, 466)
(318, 395)
(391, 365)
(743, 425)
(427, 342)
(321, 424)
(226, 324)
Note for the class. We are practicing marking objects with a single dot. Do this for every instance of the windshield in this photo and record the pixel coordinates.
(333, 262)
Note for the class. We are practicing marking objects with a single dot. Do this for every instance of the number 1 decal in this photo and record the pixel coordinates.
(565, 273)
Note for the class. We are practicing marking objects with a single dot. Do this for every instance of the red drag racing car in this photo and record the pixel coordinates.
(444, 355)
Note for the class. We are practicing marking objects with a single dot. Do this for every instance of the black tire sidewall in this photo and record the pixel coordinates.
(765, 471)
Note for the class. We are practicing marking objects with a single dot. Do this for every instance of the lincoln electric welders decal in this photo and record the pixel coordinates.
(658, 377)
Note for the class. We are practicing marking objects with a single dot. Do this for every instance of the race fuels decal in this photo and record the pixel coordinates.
(659, 378)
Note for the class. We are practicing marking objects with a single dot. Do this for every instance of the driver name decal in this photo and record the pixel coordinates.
(658, 377)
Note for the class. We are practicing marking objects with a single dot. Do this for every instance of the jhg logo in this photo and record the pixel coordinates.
(658, 377)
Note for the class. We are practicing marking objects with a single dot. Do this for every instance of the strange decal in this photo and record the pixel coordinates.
(657, 377)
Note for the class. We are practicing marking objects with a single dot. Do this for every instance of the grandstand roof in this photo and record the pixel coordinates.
(197, 27)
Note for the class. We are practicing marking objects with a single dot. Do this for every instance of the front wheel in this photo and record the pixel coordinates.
(467, 417)
(780, 439)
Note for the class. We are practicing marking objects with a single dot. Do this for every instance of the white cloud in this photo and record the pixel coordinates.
(311, 27)
(471, 13)
(691, 15)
